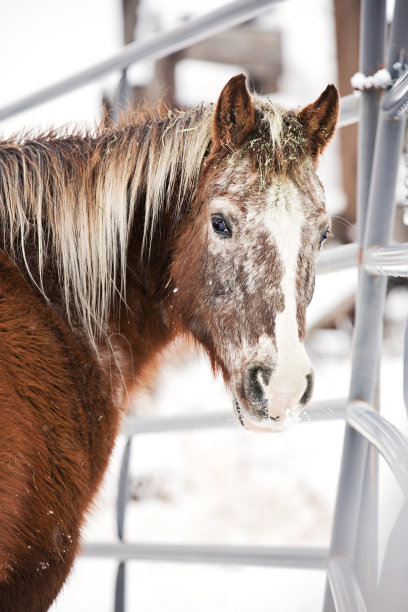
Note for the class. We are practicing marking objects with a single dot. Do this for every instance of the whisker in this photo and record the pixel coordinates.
(344, 222)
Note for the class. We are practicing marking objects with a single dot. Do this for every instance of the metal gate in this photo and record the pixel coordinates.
(351, 560)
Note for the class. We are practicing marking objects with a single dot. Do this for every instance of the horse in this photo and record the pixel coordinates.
(203, 224)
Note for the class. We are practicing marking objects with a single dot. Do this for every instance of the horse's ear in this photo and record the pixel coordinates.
(319, 119)
(234, 115)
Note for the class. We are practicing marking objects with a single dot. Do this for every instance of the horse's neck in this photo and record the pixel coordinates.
(141, 329)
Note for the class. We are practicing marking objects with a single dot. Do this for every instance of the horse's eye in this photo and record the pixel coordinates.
(221, 226)
(324, 235)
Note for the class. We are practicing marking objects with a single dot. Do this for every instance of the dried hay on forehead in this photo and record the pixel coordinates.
(277, 144)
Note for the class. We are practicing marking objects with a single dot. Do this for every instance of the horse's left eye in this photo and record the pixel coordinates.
(324, 236)
(221, 226)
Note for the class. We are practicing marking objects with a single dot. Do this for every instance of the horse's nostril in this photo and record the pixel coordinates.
(309, 389)
(257, 377)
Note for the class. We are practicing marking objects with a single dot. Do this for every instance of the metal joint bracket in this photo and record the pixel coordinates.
(389, 441)
(395, 101)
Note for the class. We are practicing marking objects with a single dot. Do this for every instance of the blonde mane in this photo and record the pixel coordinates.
(75, 195)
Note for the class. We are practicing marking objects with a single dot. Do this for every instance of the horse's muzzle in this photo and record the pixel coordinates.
(268, 403)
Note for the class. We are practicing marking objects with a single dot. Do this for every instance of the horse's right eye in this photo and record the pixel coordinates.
(221, 226)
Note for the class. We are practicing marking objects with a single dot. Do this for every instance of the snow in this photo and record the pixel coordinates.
(222, 486)
(380, 79)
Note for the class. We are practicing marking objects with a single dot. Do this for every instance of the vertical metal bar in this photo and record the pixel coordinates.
(120, 588)
(372, 41)
(122, 97)
(366, 559)
(370, 304)
(393, 584)
(121, 501)
(406, 367)
(372, 50)
(123, 488)
(346, 592)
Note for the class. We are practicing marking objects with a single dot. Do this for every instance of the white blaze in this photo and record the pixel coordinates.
(284, 218)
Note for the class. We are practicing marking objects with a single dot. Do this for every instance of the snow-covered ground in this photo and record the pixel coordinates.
(229, 485)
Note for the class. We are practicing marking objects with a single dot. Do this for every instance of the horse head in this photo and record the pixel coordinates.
(244, 257)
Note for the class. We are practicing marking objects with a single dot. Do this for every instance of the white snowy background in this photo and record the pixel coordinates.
(227, 486)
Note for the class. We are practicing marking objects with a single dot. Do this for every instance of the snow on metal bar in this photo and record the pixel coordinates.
(160, 45)
(303, 557)
(387, 260)
(390, 442)
(344, 586)
(396, 99)
(338, 258)
(316, 411)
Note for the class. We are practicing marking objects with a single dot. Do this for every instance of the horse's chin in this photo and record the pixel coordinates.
(271, 426)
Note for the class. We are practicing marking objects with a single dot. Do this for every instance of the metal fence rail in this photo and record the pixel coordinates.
(380, 146)
(344, 586)
(378, 261)
(303, 558)
(388, 439)
(316, 411)
(352, 576)
(161, 45)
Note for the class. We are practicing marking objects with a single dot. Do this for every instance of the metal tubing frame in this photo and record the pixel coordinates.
(158, 46)
(406, 367)
(316, 411)
(372, 48)
(349, 109)
(378, 180)
(388, 439)
(294, 557)
(387, 260)
(289, 557)
(344, 586)
(378, 261)
(338, 258)
(366, 557)
(121, 504)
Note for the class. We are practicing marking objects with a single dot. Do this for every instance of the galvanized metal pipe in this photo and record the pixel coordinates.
(388, 439)
(123, 488)
(315, 411)
(338, 258)
(120, 588)
(378, 261)
(406, 367)
(344, 586)
(305, 557)
(121, 504)
(387, 260)
(160, 45)
(373, 191)
(372, 51)
(349, 109)
(396, 99)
